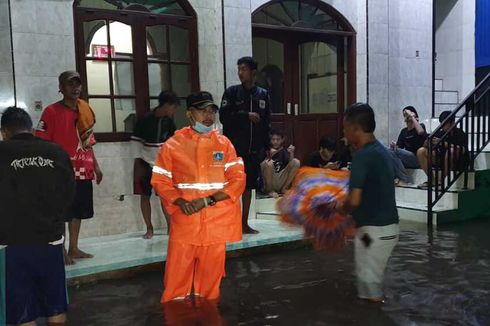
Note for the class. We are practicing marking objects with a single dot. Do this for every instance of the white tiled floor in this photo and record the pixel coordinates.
(130, 250)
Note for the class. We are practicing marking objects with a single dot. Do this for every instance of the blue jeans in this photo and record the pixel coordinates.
(400, 171)
(408, 158)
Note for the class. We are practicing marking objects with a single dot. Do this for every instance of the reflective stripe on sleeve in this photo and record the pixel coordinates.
(159, 170)
(230, 164)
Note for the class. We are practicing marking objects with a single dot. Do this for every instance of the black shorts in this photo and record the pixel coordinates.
(252, 169)
(83, 203)
(142, 178)
(35, 282)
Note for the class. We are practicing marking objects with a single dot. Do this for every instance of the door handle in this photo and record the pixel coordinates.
(288, 108)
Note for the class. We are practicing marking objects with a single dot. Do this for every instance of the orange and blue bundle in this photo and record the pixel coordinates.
(308, 204)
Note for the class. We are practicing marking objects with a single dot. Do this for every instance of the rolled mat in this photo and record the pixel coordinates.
(309, 204)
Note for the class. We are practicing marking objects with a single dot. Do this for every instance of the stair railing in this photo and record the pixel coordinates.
(448, 162)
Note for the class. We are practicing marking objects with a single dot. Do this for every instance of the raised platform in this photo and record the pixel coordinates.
(119, 252)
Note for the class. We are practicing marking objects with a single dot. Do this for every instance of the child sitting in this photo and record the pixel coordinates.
(280, 166)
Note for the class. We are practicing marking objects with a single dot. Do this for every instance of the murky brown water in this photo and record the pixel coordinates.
(443, 283)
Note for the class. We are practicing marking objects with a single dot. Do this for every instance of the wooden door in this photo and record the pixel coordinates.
(304, 73)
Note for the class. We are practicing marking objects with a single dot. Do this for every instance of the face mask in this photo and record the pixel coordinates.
(202, 129)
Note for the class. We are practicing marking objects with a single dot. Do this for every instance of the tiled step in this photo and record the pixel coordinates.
(438, 86)
(418, 198)
(419, 176)
(418, 213)
(482, 161)
(130, 250)
(409, 211)
(446, 97)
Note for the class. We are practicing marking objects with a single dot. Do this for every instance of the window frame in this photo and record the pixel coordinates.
(139, 21)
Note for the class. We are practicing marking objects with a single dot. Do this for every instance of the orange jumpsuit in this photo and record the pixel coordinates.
(189, 166)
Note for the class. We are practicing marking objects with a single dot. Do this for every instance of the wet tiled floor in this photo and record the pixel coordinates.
(439, 278)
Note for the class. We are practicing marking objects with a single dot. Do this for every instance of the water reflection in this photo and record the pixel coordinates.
(443, 283)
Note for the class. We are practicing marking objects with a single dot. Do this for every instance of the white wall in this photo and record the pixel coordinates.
(398, 76)
(6, 74)
(455, 45)
(44, 46)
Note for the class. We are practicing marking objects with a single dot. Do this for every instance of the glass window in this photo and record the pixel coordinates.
(318, 77)
(125, 110)
(270, 56)
(156, 38)
(158, 77)
(157, 7)
(123, 78)
(121, 40)
(179, 43)
(295, 13)
(102, 110)
(98, 77)
(181, 79)
(123, 81)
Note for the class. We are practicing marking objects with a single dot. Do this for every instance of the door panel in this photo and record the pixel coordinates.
(310, 74)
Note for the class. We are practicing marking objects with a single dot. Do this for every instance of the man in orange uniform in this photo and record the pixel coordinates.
(200, 180)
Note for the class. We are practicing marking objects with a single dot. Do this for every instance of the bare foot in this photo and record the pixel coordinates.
(378, 300)
(274, 194)
(402, 184)
(149, 234)
(78, 254)
(68, 259)
(248, 230)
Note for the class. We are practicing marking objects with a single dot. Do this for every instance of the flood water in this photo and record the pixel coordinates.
(446, 282)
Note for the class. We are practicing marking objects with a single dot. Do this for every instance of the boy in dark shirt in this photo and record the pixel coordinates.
(404, 151)
(411, 138)
(150, 133)
(371, 200)
(455, 147)
(329, 156)
(280, 166)
(326, 156)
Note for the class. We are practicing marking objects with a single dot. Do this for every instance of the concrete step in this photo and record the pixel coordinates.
(408, 211)
(415, 197)
(419, 176)
(418, 214)
(446, 97)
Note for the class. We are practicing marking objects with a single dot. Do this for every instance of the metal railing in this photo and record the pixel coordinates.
(448, 162)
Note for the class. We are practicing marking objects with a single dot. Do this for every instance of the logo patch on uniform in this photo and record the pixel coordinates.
(41, 126)
(218, 156)
(262, 104)
(224, 103)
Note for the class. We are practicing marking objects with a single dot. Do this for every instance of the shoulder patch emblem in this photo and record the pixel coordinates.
(224, 103)
(218, 156)
(262, 104)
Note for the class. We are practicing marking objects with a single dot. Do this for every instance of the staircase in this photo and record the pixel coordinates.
(457, 204)
(453, 201)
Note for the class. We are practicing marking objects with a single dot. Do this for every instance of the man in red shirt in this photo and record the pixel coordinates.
(69, 123)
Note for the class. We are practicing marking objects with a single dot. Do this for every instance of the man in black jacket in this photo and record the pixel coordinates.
(245, 114)
(37, 184)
